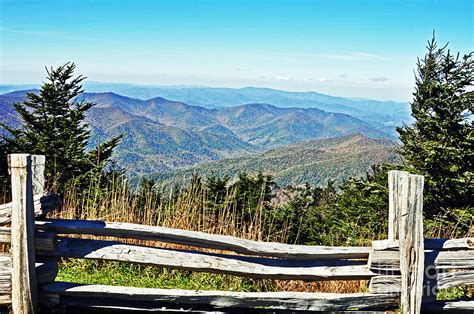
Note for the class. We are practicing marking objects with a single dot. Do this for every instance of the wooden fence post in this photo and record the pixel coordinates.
(24, 289)
(406, 219)
(38, 163)
(393, 208)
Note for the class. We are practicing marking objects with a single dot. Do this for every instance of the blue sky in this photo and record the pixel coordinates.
(340, 47)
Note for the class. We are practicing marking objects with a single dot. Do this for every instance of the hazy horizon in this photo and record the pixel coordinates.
(29, 85)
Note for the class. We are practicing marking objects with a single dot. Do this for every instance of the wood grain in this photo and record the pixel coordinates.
(429, 244)
(24, 289)
(393, 203)
(43, 204)
(412, 257)
(385, 262)
(256, 267)
(200, 239)
(225, 299)
(5, 278)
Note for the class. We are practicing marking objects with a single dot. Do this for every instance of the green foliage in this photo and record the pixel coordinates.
(53, 125)
(354, 215)
(305, 218)
(252, 191)
(440, 143)
(363, 207)
(217, 188)
(136, 275)
(454, 293)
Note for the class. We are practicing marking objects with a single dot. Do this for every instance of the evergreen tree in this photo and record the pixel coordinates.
(217, 188)
(440, 143)
(53, 125)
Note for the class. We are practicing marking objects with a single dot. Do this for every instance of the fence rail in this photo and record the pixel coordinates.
(406, 270)
(200, 239)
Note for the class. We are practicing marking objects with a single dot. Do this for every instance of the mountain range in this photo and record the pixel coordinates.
(162, 136)
(383, 115)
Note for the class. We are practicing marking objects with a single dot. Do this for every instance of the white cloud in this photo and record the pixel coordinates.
(378, 79)
(283, 78)
(363, 54)
(325, 80)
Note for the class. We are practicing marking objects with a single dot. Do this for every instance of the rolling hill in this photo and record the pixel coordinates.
(149, 146)
(315, 162)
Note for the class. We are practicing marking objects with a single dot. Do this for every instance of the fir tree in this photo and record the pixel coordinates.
(440, 143)
(53, 125)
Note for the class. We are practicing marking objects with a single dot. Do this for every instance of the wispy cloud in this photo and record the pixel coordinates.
(55, 35)
(283, 78)
(338, 55)
(363, 55)
(378, 79)
(325, 80)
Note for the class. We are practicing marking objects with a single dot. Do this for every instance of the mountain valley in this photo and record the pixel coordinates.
(166, 137)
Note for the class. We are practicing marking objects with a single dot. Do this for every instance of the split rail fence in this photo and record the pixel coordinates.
(405, 271)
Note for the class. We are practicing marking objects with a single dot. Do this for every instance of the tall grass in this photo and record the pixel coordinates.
(189, 206)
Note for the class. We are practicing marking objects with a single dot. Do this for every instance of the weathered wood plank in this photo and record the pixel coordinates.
(43, 204)
(457, 278)
(429, 243)
(452, 259)
(45, 242)
(110, 305)
(248, 266)
(385, 262)
(412, 256)
(388, 262)
(5, 235)
(200, 239)
(463, 306)
(227, 299)
(5, 278)
(38, 163)
(443, 280)
(385, 284)
(24, 288)
(393, 203)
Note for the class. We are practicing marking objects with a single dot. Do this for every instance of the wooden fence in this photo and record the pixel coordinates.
(405, 270)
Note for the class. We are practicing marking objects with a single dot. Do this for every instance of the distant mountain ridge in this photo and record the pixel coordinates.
(258, 124)
(160, 135)
(386, 114)
(8, 115)
(381, 114)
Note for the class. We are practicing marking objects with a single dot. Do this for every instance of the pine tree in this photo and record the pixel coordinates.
(53, 125)
(440, 143)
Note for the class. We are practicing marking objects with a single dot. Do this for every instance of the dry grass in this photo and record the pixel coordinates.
(189, 209)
